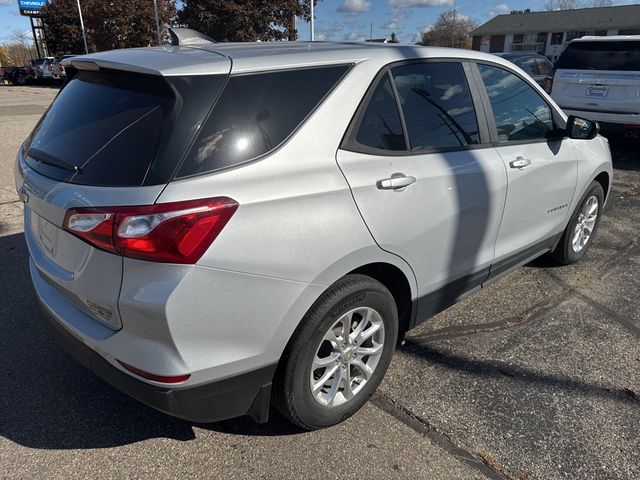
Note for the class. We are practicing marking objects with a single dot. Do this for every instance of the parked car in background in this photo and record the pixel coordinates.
(535, 65)
(18, 75)
(59, 72)
(218, 227)
(43, 69)
(599, 78)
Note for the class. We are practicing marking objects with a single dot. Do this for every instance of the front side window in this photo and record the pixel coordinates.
(437, 106)
(255, 114)
(519, 111)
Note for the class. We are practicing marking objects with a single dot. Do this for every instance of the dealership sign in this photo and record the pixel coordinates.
(31, 8)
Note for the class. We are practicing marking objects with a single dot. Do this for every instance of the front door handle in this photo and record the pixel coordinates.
(396, 182)
(520, 162)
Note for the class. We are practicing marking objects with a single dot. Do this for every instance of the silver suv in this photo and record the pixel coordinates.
(217, 228)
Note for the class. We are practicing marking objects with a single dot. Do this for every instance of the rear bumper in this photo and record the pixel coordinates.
(245, 394)
(606, 117)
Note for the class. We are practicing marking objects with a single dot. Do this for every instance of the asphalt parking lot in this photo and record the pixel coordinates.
(536, 376)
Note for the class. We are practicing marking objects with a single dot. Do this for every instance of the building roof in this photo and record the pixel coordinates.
(600, 18)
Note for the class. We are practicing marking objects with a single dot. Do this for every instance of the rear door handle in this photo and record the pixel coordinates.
(396, 182)
(520, 162)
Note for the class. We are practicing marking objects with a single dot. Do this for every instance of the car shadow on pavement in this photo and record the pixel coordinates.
(49, 401)
(513, 373)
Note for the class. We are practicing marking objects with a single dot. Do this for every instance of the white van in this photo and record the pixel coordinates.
(599, 78)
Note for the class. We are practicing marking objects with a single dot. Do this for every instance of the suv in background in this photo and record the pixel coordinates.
(43, 69)
(535, 65)
(215, 227)
(599, 78)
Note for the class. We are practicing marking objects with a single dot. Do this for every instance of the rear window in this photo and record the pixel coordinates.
(255, 114)
(120, 129)
(606, 55)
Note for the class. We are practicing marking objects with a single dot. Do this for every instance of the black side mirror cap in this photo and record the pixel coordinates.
(581, 128)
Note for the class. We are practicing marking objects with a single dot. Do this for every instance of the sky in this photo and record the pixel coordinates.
(352, 20)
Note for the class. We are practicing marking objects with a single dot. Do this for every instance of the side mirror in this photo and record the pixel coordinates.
(581, 129)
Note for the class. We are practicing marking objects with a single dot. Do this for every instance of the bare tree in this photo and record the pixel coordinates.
(561, 4)
(21, 48)
(450, 30)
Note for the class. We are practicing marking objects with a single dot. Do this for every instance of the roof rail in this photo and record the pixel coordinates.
(187, 36)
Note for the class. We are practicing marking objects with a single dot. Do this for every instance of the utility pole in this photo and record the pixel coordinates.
(371, 32)
(312, 32)
(155, 11)
(84, 34)
(453, 27)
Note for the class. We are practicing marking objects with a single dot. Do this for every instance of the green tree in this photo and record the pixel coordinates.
(450, 30)
(394, 38)
(109, 24)
(244, 20)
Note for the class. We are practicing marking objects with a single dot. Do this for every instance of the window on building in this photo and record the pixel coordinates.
(600, 33)
(629, 31)
(556, 38)
(519, 111)
(542, 37)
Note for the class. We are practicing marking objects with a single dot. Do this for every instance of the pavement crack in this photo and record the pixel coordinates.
(531, 314)
(625, 322)
(424, 428)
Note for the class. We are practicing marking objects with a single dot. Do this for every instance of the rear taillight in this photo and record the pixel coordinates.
(178, 232)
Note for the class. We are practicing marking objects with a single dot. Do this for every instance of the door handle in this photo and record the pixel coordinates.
(520, 162)
(396, 182)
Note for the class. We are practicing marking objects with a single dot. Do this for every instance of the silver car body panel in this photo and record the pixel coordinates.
(300, 226)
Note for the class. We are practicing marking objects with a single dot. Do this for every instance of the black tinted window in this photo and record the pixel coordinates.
(436, 104)
(520, 113)
(380, 126)
(256, 113)
(120, 129)
(605, 55)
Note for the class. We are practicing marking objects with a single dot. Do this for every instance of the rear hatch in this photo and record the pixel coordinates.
(111, 138)
(599, 76)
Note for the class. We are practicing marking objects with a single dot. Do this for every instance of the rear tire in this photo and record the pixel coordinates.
(19, 78)
(338, 355)
(582, 227)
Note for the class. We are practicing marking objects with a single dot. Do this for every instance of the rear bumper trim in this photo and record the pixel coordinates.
(245, 394)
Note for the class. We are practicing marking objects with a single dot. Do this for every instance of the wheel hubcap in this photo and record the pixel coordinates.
(347, 356)
(585, 224)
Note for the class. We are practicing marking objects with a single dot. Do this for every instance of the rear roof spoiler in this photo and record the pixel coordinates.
(187, 36)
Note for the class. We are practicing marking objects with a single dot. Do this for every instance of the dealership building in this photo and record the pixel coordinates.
(548, 33)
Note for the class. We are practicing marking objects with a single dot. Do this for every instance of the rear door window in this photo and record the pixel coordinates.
(602, 55)
(380, 127)
(255, 114)
(437, 105)
(120, 129)
(520, 112)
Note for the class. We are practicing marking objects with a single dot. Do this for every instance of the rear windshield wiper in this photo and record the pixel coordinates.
(47, 159)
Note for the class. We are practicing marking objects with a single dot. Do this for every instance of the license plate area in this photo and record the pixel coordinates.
(597, 90)
(48, 236)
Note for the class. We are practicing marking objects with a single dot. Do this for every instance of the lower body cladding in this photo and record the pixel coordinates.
(214, 325)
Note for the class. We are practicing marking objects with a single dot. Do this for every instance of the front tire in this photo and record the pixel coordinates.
(582, 226)
(339, 354)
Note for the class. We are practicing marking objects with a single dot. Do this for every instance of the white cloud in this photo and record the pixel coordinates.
(6, 2)
(500, 9)
(419, 3)
(398, 15)
(355, 6)
(355, 37)
(322, 37)
(418, 37)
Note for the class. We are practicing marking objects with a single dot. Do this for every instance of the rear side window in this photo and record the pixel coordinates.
(437, 106)
(380, 126)
(604, 55)
(111, 128)
(255, 114)
(520, 113)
